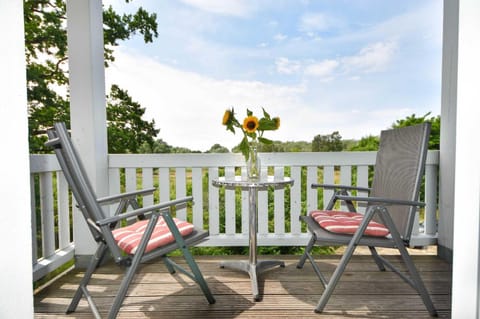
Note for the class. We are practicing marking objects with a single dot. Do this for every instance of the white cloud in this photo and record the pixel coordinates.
(372, 58)
(311, 23)
(322, 69)
(280, 37)
(286, 66)
(240, 8)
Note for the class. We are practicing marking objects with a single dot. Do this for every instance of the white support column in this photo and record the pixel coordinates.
(448, 129)
(16, 296)
(466, 241)
(87, 104)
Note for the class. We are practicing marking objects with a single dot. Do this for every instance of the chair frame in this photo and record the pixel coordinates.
(101, 227)
(377, 209)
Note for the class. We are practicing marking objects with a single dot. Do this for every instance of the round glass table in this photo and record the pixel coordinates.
(253, 267)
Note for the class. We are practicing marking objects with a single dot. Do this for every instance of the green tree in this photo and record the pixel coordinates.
(368, 143)
(180, 149)
(434, 142)
(159, 146)
(126, 129)
(46, 58)
(217, 148)
(327, 143)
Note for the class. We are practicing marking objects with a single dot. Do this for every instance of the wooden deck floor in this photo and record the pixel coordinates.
(288, 292)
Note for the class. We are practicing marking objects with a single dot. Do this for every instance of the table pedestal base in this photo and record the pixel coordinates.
(253, 271)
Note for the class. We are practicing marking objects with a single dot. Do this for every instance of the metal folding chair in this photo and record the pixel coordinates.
(155, 233)
(389, 216)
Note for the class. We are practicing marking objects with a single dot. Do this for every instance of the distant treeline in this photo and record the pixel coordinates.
(321, 143)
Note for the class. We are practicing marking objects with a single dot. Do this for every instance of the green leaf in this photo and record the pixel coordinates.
(245, 147)
(265, 114)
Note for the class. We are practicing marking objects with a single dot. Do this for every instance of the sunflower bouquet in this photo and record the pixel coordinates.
(252, 128)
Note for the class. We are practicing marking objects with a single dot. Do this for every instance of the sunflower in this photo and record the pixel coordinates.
(250, 124)
(252, 128)
(227, 117)
(276, 120)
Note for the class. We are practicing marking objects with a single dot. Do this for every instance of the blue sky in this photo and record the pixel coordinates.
(350, 66)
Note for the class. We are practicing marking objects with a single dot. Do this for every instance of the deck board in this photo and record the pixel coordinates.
(363, 291)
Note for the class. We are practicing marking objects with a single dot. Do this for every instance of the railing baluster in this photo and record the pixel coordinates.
(147, 182)
(230, 206)
(295, 199)
(431, 186)
(130, 179)
(328, 178)
(48, 224)
(345, 179)
(33, 212)
(197, 193)
(114, 187)
(262, 206)
(164, 183)
(181, 190)
(312, 177)
(279, 205)
(63, 211)
(213, 205)
(362, 181)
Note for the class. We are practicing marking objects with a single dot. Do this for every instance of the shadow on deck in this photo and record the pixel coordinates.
(363, 291)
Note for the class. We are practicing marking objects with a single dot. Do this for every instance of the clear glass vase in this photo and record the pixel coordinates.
(253, 162)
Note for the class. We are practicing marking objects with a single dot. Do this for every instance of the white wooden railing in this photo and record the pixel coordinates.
(177, 175)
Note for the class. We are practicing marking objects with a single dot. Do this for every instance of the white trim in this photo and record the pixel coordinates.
(466, 241)
(16, 298)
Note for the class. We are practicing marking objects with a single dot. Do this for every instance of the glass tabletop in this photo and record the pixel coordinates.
(239, 181)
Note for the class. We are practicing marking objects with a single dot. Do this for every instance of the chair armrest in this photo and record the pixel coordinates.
(343, 187)
(381, 200)
(141, 211)
(118, 197)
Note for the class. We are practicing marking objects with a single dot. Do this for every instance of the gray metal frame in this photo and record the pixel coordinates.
(101, 227)
(253, 266)
(392, 200)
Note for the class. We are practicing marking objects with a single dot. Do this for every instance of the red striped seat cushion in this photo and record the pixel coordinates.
(347, 223)
(128, 238)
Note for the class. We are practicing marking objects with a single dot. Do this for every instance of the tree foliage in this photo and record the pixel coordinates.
(46, 59)
(125, 125)
(158, 146)
(434, 142)
(367, 143)
(217, 148)
(327, 143)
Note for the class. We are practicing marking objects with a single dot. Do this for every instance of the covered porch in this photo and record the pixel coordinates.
(457, 235)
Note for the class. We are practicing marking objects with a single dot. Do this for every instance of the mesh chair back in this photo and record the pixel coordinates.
(75, 174)
(399, 171)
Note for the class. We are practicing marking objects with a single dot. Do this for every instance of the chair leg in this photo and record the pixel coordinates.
(197, 274)
(131, 270)
(377, 258)
(122, 291)
(169, 266)
(347, 255)
(92, 266)
(305, 255)
(416, 280)
(337, 274)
